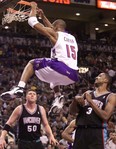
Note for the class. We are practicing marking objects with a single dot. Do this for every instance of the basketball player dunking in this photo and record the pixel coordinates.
(60, 69)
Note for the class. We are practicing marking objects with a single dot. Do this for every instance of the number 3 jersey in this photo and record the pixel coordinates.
(29, 124)
(65, 50)
(87, 116)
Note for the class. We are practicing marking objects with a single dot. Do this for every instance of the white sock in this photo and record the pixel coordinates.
(57, 94)
(22, 84)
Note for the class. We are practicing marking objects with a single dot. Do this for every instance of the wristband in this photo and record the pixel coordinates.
(32, 21)
(7, 127)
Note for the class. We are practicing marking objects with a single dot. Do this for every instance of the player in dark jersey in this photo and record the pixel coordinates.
(94, 109)
(30, 116)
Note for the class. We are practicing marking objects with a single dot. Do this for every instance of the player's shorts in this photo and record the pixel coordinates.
(90, 138)
(30, 145)
(54, 72)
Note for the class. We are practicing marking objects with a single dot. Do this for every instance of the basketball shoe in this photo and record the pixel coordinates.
(13, 93)
(57, 105)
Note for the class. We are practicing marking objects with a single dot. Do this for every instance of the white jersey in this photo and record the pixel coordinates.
(65, 50)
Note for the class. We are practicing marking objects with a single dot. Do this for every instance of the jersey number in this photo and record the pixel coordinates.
(89, 111)
(71, 51)
(31, 128)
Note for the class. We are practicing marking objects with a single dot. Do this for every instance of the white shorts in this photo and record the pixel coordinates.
(54, 72)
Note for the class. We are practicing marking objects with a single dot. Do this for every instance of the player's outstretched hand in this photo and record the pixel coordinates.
(33, 4)
(2, 143)
(88, 97)
(80, 100)
(40, 12)
(53, 141)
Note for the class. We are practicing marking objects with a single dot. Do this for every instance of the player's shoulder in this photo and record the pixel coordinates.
(112, 95)
(41, 108)
(19, 107)
(18, 110)
(65, 33)
(73, 122)
(111, 98)
(89, 91)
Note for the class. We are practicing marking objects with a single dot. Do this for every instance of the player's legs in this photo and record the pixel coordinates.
(80, 141)
(99, 137)
(18, 91)
(33, 66)
(83, 139)
(56, 73)
(57, 91)
(48, 75)
(27, 73)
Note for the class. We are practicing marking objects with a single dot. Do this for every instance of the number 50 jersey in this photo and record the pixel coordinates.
(29, 124)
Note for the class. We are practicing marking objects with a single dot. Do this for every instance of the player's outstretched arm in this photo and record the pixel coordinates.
(33, 12)
(45, 20)
(37, 11)
(66, 134)
(2, 139)
(34, 23)
(109, 108)
(14, 116)
(47, 127)
(77, 102)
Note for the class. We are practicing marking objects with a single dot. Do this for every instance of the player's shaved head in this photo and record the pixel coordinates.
(59, 23)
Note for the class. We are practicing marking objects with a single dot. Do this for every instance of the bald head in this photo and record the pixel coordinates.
(59, 25)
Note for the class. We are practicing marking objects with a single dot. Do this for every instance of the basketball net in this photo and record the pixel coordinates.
(20, 12)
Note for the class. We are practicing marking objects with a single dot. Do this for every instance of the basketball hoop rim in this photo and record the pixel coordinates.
(11, 10)
(24, 3)
(21, 14)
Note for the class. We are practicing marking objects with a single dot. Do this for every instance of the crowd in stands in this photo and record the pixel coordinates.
(15, 52)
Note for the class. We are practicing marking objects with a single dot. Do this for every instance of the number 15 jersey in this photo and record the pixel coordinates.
(65, 50)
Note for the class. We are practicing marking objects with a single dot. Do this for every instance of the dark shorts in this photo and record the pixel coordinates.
(30, 145)
(89, 138)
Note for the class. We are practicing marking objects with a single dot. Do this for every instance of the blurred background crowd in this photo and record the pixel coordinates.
(94, 57)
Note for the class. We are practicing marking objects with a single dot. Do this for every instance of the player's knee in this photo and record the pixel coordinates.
(31, 62)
